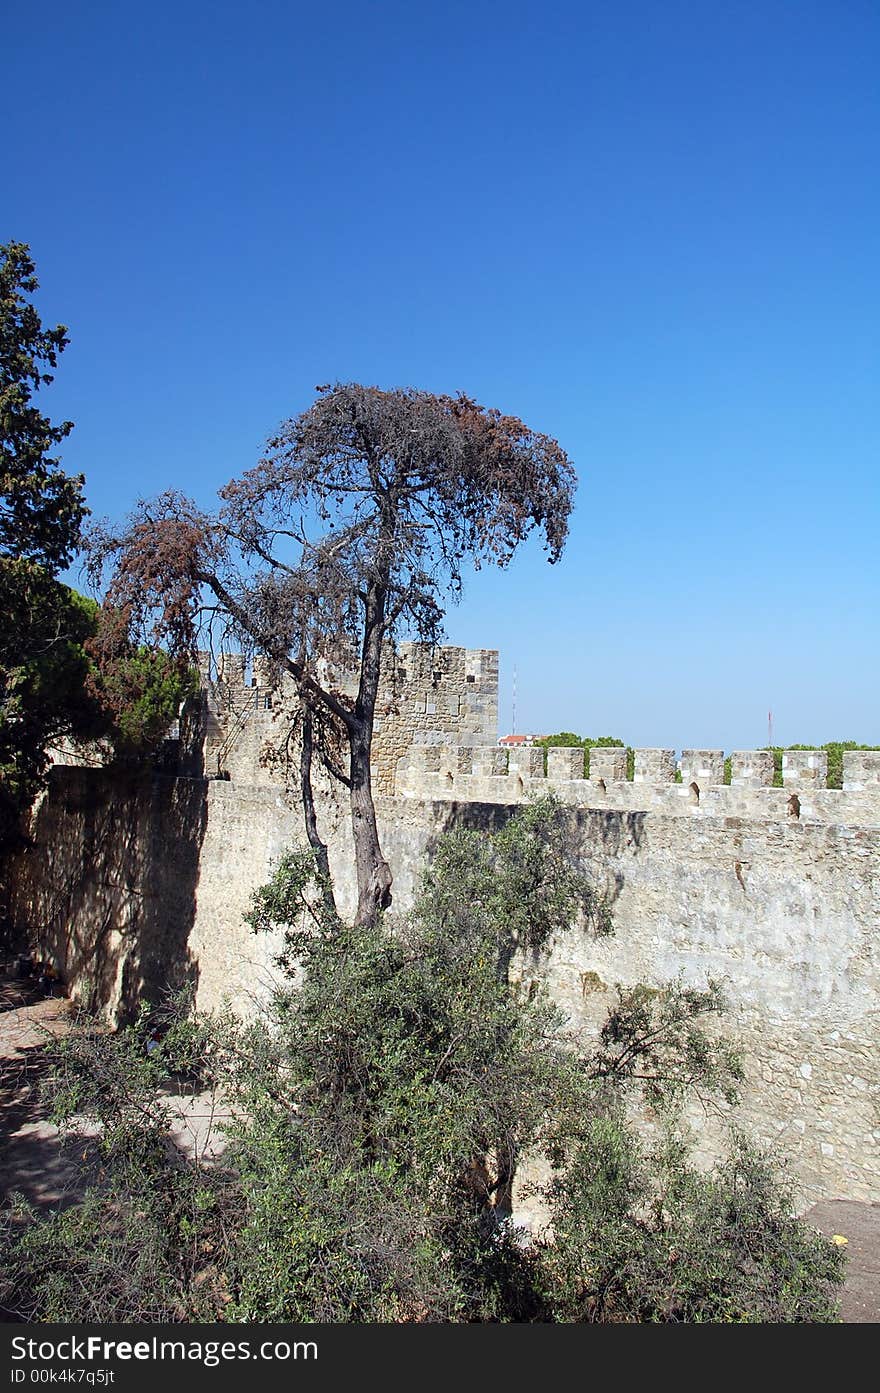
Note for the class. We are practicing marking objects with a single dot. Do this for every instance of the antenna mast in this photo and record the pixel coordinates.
(513, 732)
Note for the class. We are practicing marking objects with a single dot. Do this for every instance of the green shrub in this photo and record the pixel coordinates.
(651, 1238)
(380, 1111)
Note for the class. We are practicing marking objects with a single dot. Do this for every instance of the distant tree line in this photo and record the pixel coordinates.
(834, 749)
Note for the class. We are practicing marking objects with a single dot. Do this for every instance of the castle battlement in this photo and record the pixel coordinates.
(435, 737)
(428, 696)
(494, 775)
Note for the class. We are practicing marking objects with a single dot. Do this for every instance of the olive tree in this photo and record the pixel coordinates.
(354, 528)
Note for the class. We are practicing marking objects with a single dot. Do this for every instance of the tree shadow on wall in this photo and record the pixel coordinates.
(599, 836)
(109, 885)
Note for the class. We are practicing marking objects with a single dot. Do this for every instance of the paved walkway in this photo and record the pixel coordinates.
(859, 1224)
(33, 1160)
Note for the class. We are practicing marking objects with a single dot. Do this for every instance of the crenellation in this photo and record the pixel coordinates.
(454, 759)
(465, 760)
(702, 767)
(804, 768)
(424, 759)
(564, 764)
(654, 766)
(435, 736)
(485, 774)
(527, 760)
(607, 764)
(751, 768)
(861, 770)
(490, 761)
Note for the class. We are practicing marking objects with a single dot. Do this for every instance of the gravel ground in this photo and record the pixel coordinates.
(34, 1158)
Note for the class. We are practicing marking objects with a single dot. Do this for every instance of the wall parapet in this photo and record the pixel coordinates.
(437, 716)
(861, 770)
(654, 766)
(489, 774)
(702, 767)
(138, 884)
(751, 768)
(608, 763)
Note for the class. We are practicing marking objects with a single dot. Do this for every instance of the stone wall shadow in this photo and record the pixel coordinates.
(106, 891)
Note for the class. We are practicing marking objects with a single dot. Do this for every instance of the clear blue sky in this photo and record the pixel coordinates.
(651, 230)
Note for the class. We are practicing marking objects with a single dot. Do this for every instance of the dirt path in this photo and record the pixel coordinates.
(859, 1224)
(33, 1160)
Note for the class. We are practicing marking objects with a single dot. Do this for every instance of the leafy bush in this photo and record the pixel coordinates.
(650, 1238)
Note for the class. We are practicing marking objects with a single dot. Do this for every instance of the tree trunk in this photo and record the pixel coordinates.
(373, 871)
(311, 818)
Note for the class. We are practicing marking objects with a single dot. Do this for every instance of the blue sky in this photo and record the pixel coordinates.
(651, 230)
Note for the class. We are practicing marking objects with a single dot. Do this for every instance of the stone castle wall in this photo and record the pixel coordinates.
(135, 884)
(436, 697)
(435, 736)
(156, 875)
(489, 774)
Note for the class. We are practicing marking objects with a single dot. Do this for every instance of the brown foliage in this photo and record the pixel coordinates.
(353, 528)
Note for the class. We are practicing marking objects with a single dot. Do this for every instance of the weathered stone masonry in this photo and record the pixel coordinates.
(775, 890)
(429, 697)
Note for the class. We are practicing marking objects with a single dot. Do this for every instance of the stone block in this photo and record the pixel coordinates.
(751, 768)
(702, 767)
(564, 764)
(528, 761)
(804, 768)
(425, 759)
(861, 770)
(608, 764)
(489, 760)
(455, 759)
(654, 767)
